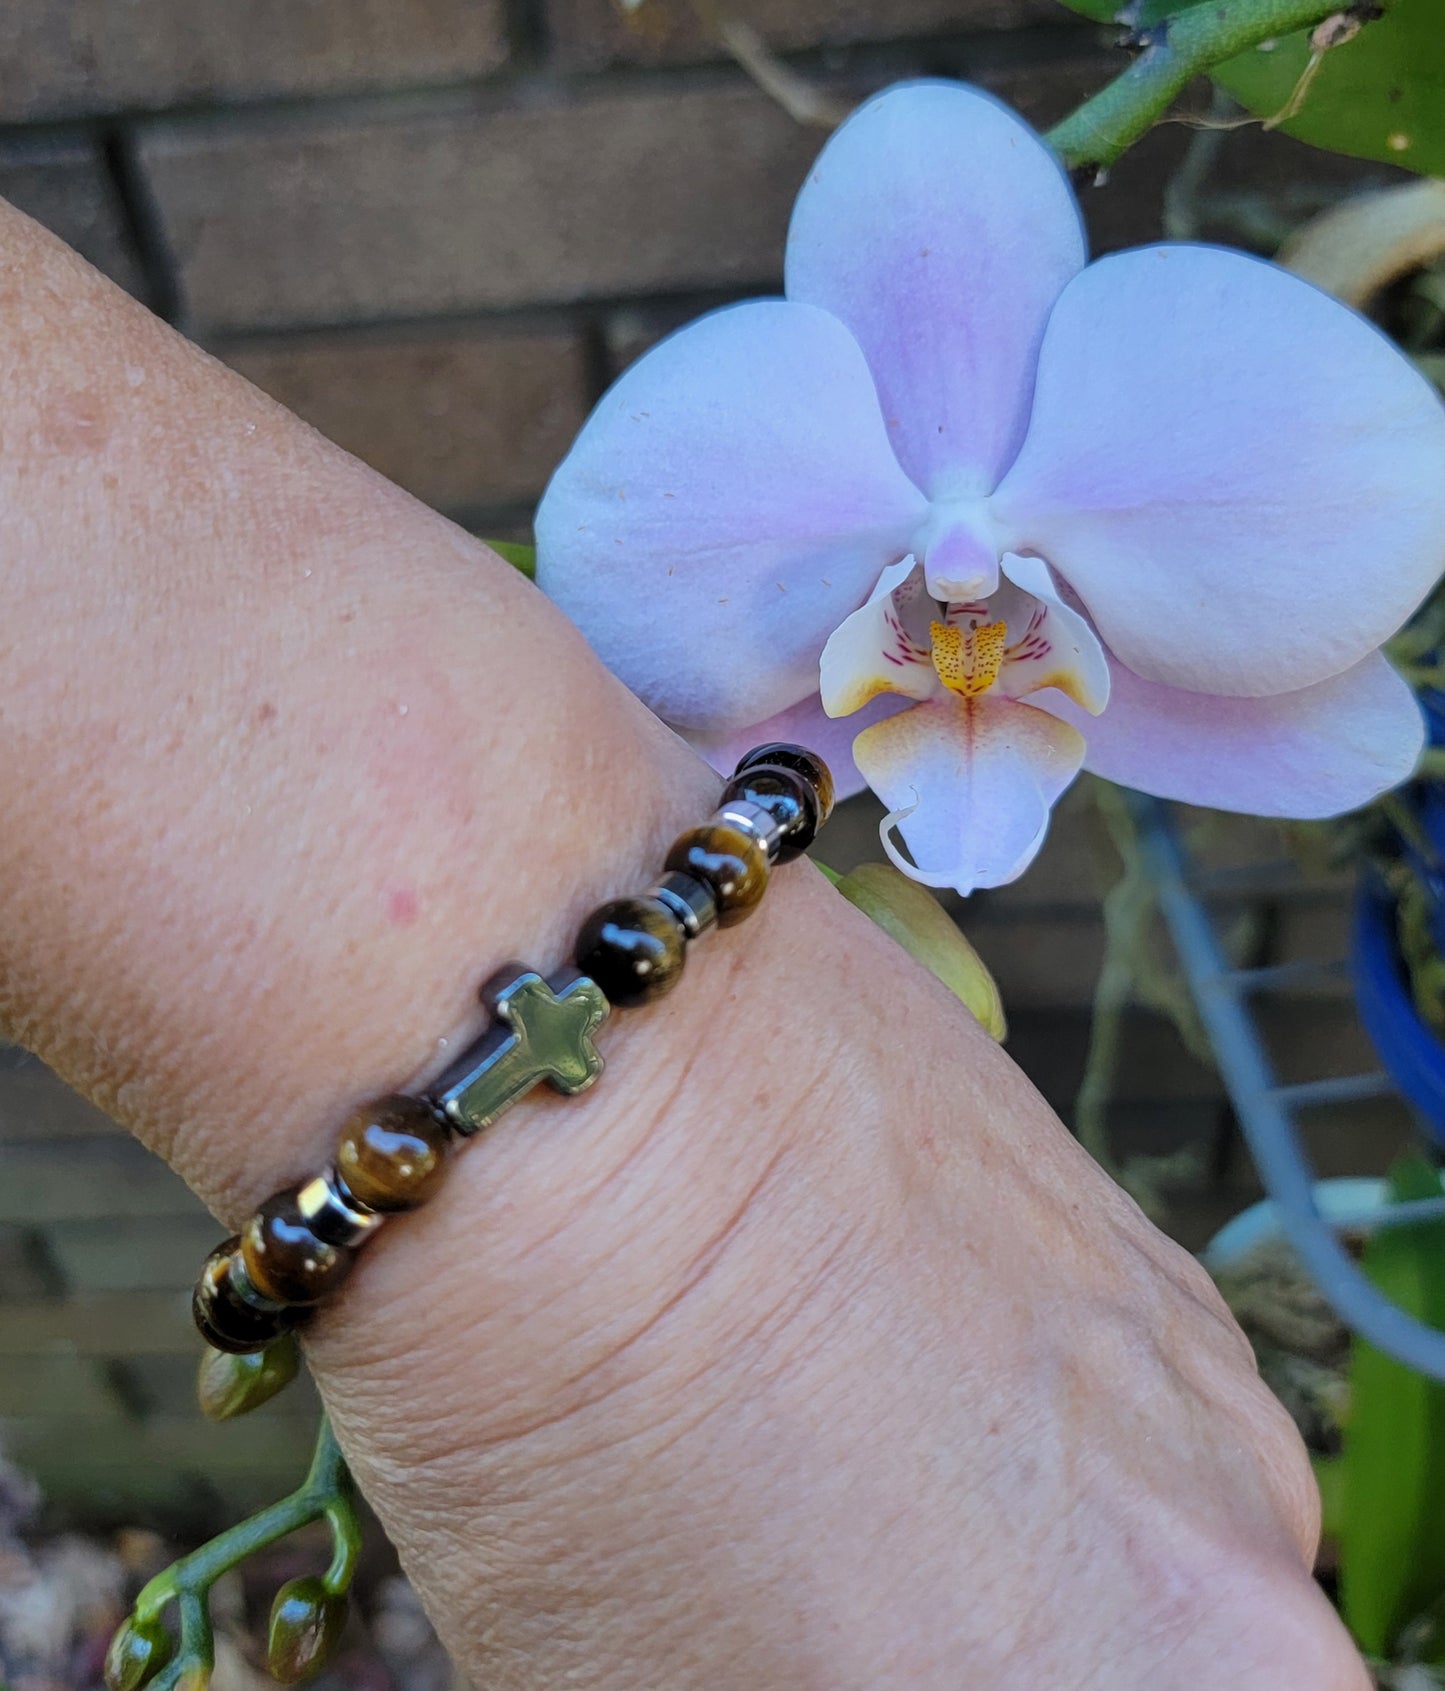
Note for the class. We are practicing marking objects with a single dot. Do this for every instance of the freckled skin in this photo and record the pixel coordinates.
(74, 423)
(682, 1383)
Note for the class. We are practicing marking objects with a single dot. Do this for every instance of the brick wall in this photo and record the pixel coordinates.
(435, 228)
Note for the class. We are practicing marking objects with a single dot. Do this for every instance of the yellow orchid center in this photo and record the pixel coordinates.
(968, 660)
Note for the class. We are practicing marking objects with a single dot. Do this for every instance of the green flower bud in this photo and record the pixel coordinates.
(228, 1386)
(306, 1622)
(137, 1654)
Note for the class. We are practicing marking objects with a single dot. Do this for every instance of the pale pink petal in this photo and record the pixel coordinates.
(805, 724)
(883, 647)
(969, 784)
(1243, 481)
(941, 230)
(1049, 643)
(732, 498)
(1317, 752)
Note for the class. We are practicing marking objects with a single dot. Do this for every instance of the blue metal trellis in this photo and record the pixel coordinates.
(1268, 1111)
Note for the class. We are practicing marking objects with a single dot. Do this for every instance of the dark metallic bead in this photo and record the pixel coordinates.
(689, 899)
(392, 1154)
(286, 1260)
(753, 819)
(787, 797)
(230, 1312)
(332, 1213)
(633, 948)
(731, 861)
(808, 764)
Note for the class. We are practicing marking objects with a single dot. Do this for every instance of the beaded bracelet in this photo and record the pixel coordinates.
(299, 1247)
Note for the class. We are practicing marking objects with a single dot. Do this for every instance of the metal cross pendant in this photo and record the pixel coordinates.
(543, 1031)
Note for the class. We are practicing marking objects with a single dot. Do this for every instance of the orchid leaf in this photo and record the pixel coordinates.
(521, 557)
(1392, 1497)
(1379, 95)
(1329, 1472)
(920, 924)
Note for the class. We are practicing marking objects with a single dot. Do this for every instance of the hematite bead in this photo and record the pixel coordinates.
(809, 765)
(689, 899)
(230, 1313)
(332, 1214)
(755, 820)
(392, 1154)
(633, 948)
(732, 863)
(284, 1257)
(787, 796)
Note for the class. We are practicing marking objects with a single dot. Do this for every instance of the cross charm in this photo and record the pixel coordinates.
(543, 1031)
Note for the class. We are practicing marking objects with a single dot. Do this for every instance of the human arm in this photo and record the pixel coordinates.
(808, 1350)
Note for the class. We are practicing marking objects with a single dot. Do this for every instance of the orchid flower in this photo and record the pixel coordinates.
(967, 514)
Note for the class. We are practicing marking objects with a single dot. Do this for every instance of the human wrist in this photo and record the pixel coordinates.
(298, 1250)
(290, 761)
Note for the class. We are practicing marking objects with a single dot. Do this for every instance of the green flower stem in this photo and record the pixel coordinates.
(345, 1541)
(1178, 48)
(198, 1644)
(325, 1494)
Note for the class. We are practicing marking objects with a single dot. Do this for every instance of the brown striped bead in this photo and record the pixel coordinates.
(230, 1313)
(633, 948)
(285, 1259)
(782, 754)
(392, 1154)
(788, 798)
(731, 863)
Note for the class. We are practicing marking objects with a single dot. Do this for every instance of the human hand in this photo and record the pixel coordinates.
(806, 1351)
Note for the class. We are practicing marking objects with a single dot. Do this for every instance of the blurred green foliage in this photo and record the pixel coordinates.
(519, 556)
(1385, 1492)
(1379, 95)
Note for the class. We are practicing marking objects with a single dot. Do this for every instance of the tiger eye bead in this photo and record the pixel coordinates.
(230, 1313)
(392, 1154)
(633, 948)
(729, 861)
(285, 1260)
(787, 797)
(782, 754)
